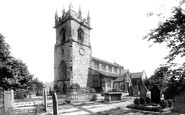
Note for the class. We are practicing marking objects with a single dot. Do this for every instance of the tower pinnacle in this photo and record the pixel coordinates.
(56, 17)
(80, 12)
(56, 14)
(63, 10)
(88, 18)
(70, 6)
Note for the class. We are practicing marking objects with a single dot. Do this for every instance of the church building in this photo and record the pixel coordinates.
(73, 60)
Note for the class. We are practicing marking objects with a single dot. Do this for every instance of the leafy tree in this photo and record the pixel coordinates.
(37, 86)
(14, 73)
(4, 50)
(5, 67)
(158, 78)
(172, 32)
(17, 76)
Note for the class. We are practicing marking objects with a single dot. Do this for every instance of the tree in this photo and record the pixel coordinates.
(37, 86)
(172, 32)
(14, 73)
(4, 50)
(5, 67)
(159, 77)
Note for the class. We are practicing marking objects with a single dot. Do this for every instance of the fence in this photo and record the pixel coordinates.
(81, 96)
(77, 96)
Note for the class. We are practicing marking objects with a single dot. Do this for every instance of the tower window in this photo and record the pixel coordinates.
(80, 35)
(63, 35)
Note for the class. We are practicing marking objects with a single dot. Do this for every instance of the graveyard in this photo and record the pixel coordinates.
(84, 84)
(138, 100)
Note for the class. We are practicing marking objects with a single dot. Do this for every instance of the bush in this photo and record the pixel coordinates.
(164, 103)
(94, 98)
(92, 90)
(114, 90)
(136, 101)
(75, 86)
(20, 94)
(142, 100)
(50, 92)
(39, 93)
(170, 103)
(145, 108)
(148, 100)
(68, 101)
(57, 89)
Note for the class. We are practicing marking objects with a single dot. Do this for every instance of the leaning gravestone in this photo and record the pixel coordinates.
(155, 94)
(45, 99)
(130, 91)
(136, 90)
(55, 104)
(168, 94)
(143, 91)
(179, 103)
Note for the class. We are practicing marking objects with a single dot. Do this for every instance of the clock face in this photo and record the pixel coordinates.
(81, 51)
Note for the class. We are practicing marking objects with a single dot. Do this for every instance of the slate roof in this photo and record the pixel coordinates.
(108, 74)
(136, 75)
(106, 62)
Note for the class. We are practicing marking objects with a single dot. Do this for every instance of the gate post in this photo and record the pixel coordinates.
(2, 109)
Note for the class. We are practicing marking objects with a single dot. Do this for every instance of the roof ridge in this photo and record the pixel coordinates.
(104, 61)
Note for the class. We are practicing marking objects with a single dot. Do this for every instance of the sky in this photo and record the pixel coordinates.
(118, 28)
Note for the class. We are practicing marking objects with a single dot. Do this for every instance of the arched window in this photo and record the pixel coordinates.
(63, 35)
(80, 35)
(62, 71)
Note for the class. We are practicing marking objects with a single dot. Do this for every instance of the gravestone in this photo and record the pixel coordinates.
(45, 99)
(136, 90)
(179, 103)
(143, 91)
(1, 101)
(130, 91)
(8, 99)
(55, 104)
(155, 94)
(168, 94)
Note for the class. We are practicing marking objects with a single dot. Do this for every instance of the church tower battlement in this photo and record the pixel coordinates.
(72, 50)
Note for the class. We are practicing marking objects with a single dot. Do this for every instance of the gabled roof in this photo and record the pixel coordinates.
(136, 75)
(108, 74)
(106, 62)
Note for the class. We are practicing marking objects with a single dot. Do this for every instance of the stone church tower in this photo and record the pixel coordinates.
(72, 51)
